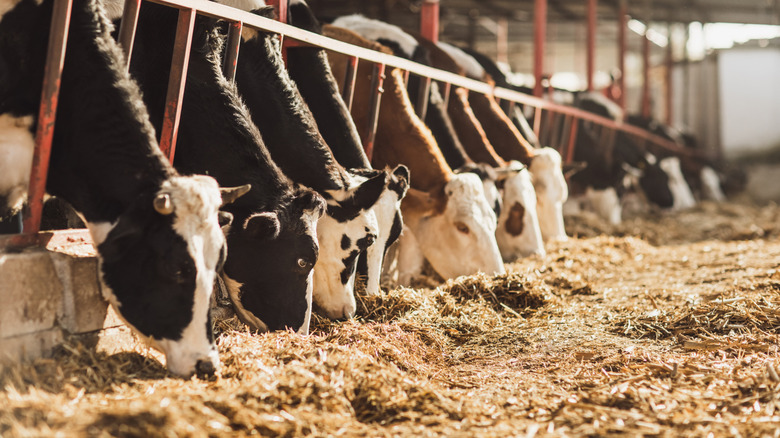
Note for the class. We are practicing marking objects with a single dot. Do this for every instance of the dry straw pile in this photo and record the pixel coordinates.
(634, 335)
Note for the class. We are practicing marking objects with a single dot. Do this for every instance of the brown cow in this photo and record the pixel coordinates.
(447, 213)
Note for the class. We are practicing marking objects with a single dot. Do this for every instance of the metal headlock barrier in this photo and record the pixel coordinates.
(555, 125)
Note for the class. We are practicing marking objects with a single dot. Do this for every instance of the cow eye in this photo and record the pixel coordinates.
(303, 264)
(463, 228)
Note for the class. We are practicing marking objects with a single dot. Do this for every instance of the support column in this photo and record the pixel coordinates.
(540, 33)
(669, 86)
(591, 41)
(622, 26)
(646, 74)
(502, 40)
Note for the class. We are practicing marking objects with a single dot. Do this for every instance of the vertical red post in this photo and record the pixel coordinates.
(429, 20)
(176, 81)
(230, 61)
(591, 41)
(646, 75)
(622, 47)
(281, 13)
(572, 141)
(128, 26)
(669, 87)
(349, 81)
(44, 135)
(502, 40)
(540, 33)
(377, 81)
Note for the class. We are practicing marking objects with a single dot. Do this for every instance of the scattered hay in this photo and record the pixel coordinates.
(604, 336)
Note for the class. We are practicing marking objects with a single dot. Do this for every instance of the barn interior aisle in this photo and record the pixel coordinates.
(667, 325)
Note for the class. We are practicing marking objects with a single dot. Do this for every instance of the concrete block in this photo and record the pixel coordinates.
(83, 307)
(30, 293)
(29, 346)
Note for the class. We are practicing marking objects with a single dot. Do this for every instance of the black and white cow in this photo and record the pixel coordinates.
(309, 68)
(157, 235)
(290, 132)
(272, 241)
(603, 177)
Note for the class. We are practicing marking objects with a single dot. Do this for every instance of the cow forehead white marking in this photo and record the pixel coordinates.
(467, 200)
(17, 144)
(605, 203)
(681, 191)
(196, 200)
(375, 30)
(711, 184)
(473, 68)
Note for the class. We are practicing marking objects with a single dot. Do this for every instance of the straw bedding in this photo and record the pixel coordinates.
(666, 325)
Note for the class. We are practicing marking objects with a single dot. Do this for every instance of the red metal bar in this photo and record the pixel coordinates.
(281, 9)
(540, 33)
(429, 20)
(44, 135)
(421, 108)
(502, 40)
(645, 76)
(406, 77)
(591, 41)
(176, 82)
(572, 141)
(233, 46)
(128, 27)
(669, 86)
(537, 121)
(349, 81)
(446, 94)
(377, 81)
(622, 47)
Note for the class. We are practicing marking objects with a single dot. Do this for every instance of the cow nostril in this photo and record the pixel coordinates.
(204, 369)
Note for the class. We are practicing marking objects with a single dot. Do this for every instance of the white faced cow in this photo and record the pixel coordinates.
(272, 241)
(448, 212)
(158, 239)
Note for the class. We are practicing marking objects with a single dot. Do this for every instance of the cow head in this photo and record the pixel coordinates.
(349, 228)
(268, 272)
(456, 228)
(681, 191)
(158, 264)
(551, 192)
(605, 203)
(518, 233)
(489, 178)
(388, 215)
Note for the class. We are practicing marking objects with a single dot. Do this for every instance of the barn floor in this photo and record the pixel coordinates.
(666, 326)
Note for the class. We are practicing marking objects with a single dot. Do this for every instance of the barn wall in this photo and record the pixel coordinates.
(749, 90)
(696, 99)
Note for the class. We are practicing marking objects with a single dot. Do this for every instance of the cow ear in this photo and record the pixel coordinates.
(399, 182)
(263, 225)
(570, 169)
(311, 202)
(230, 194)
(225, 219)
(369, 191)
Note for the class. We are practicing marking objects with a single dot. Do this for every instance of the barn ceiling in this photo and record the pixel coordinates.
(464, 19)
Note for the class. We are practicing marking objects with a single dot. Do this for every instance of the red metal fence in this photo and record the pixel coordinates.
(555, 124)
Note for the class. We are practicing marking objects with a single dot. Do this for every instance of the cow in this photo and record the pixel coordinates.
(290, 132)
(447, 213)
(698, 173)
(272, 242)
(545, 164)
(156, 232)
(309, 69)
(608, 165)
(520, 237)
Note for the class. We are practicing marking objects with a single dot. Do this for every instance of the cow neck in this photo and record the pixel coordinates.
(503, 135)
(401, 136)
(93, 80)
(470, 130)
(288, 127)
(216, 134)
(308, 67)
(441, 125)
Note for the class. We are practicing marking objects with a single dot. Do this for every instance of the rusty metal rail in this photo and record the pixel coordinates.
(188, 9)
